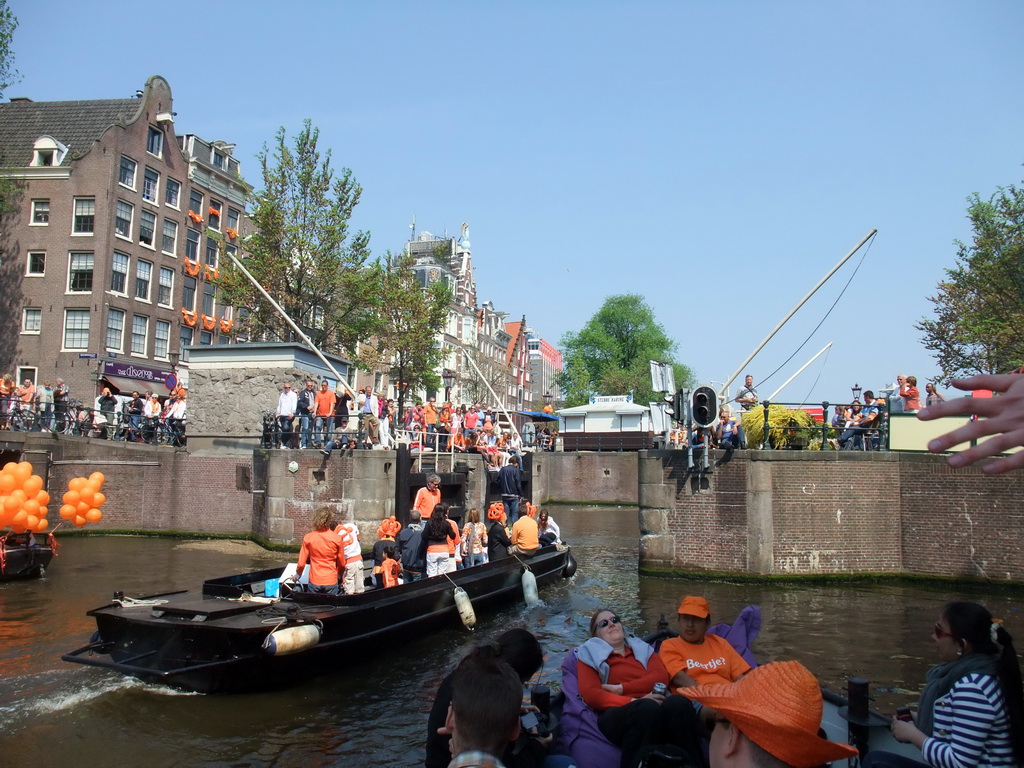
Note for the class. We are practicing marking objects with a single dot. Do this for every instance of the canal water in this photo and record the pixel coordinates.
(58, 714)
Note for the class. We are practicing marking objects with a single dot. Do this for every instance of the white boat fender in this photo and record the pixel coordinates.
(530, 588)
(570, 566)
(282, 642)
(465, 606)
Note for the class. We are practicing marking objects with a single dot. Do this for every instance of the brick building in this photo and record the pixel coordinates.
(113, 234)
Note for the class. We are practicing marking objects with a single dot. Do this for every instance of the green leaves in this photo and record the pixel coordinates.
(979, 307)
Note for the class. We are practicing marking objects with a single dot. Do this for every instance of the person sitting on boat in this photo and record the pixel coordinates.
(498, 541)
(971, 712)
(519, 649)
(437, 537)
(390, 569)
(769, 719)
(525, 533)
(696, 657)
(323, 550)
(547, 529)
(352, 581)
(408, 548)
(617, 675)
(474, 540)
(386, 533)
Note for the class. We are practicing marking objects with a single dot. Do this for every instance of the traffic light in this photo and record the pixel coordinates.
(679, 406)
(704, 406)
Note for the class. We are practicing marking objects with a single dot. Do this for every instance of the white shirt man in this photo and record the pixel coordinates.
(287, 403)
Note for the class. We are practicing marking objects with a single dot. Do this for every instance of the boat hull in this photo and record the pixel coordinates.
(22, 558)
(214, 642)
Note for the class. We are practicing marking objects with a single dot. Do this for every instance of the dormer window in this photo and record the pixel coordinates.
(47, 151)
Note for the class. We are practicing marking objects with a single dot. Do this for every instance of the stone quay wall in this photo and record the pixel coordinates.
(585, 478)
(802, 513)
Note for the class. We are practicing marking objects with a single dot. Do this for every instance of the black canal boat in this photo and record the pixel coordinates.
(23, 556)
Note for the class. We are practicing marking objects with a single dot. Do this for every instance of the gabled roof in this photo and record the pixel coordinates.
(75, 124)
(512, 329)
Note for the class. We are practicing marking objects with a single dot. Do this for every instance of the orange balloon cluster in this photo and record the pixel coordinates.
(83, 500)
(22, 499)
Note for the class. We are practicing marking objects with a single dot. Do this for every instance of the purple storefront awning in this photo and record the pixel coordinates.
(129, 377)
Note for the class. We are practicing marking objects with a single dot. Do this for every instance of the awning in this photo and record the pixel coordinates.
(121, 385)
(538, 415)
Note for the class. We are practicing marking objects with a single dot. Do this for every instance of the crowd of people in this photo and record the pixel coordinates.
(326, 420)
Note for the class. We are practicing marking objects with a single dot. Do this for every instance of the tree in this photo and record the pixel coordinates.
(405, 327)
(8, 76)
(301, 250)
(612, 353)
(979, 307)
(481, 381)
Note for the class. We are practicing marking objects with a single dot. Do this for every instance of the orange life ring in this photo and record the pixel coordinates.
(209, 323)
(188, 317)
(225, 325)
(191, 267)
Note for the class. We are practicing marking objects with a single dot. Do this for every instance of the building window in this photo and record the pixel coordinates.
(36, 263)
(76, 329)
(140, 330)
(161, 339)
(209, 291)
(211, 252)
(119, 273)
(147, 227)
(115, 330)
(128, 167)
(80, 272)
(165, 287)
(191, 244)
(31, 320)
(123, 219)
(143, 277)
(205, 338)
(169, 242)
(214, 212)
(85, 215)
(233, 217)
(218, 159)
(150, 185)
(40, 213)
(155, 142)
(172, 194)
(195, 205)
(184, 339)
(188, 294)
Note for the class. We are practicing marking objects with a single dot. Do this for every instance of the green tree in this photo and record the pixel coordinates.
(611, 354)
(979, 307)
(8, 76)
(405, 327)
(301, 250)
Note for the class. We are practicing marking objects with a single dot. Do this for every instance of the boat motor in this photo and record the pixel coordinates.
(466, 612)
(282, 642)
(530, 588)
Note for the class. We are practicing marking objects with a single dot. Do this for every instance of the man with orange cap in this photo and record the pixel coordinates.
(695, 657)
(769, 719)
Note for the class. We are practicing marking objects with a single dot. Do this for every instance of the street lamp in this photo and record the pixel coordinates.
(856, 391)
(448, 377)
(547, 402)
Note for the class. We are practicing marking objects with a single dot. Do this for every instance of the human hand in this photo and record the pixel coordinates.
(616, 689)
(655, 697)
(1001, 416)
(905, 732)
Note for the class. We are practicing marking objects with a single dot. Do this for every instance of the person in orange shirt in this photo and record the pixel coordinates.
(390, 568)
(322, 549)
(428, 498)
(695, 657)
(323, 409)
(525, 533)
(430, 422)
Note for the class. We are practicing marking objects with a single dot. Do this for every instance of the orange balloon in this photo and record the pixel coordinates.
(80, 521)
(23, 472)
(71, 497)
(32, 507)
(7, 483)
(18, 494)
(86, 494)
(42, 525)
(76, 483)
(32, 486)
(31, 521)
(11, 504)
(19, 518)
(97, 479)
(18, 528)
(93, 515)
(98, 499)
(82, 507)
(9, 467)
(43, 498)
(43, 512)
(5, 517)
(68, 511)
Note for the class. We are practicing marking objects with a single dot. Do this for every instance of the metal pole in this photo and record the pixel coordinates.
(237, 262)
(773, 394)
(488, 385)
(766, 444)
(797, 307)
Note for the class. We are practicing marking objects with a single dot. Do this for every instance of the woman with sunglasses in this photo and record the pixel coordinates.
(617, 678)
(971, 712)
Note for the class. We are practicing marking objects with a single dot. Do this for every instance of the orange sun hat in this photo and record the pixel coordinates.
(496, 511)
(389, 528)
(778, 707)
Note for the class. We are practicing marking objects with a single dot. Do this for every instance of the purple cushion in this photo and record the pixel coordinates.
(580, 736)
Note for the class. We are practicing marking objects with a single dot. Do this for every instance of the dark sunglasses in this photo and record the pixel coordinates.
(605, 622)
(940, 632)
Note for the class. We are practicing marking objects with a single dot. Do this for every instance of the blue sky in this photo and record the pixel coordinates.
(716, 157)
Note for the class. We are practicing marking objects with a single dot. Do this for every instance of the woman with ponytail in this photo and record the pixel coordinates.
(971, 712)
